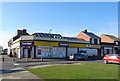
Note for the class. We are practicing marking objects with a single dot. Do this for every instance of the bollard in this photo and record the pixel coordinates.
(26, 59)
(41, 58)
(3, 59)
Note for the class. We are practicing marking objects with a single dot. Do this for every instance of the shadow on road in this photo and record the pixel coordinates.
(9, 71)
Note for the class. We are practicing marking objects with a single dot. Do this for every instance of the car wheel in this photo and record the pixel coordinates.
(86, 58)
(76, 59)
(105, 61)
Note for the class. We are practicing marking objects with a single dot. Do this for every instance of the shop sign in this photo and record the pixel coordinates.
(44, 43)
(88, 46)
(63, 44)
(26, 44)
(96, 46)
(107, 47)
(78, 45)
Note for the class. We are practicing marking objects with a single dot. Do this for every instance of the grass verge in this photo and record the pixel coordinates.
(78, 71)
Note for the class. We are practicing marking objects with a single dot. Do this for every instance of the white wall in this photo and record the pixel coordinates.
(98, 41)
(92, 41)
(27, 37)
(32, 55)
(16, 47)
(18, 52)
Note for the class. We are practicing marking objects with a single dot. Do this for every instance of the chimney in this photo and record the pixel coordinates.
(22, 32)
(85, 30)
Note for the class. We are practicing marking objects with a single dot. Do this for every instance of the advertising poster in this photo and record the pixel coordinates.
(58, 52)
(43, 51)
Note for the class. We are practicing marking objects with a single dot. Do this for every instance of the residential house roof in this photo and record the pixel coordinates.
(91, 35)
(112, 37)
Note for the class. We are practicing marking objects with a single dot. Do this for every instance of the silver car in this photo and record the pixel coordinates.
(78, 56)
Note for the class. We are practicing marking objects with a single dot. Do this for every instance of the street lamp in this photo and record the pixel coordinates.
(50, 43)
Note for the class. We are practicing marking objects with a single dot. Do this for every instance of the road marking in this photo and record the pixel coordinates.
(16, 64)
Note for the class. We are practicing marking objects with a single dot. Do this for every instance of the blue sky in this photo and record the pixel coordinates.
(66, 18)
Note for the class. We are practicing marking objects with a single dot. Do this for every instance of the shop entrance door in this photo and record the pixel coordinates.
(117, 51)
(26, 53)
(108, 51)
(99, 52)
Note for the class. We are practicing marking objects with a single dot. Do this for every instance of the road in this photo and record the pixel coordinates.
(38, 62)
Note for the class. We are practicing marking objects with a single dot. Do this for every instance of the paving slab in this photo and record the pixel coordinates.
(11, 71)
(20, 73)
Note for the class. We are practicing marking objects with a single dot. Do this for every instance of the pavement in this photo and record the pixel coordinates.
(13, 71)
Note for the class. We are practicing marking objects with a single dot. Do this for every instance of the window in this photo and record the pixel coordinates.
(116, 43)
(95, 41)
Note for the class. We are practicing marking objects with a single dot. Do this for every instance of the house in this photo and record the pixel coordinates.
(11, 48)
(93, 39)
(110, 44)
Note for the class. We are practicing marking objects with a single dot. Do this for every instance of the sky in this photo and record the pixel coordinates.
(65, 18)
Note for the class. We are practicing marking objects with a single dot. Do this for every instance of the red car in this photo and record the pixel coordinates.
(111, 58)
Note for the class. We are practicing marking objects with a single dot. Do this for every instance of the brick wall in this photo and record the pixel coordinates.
(83, 36)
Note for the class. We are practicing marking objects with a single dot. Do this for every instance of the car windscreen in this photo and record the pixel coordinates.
(119, 55)
(76, 54)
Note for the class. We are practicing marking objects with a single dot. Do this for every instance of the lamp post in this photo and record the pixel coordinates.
(50, 44)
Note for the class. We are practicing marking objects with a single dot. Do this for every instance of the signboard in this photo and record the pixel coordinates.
(44, 43)
(108, 48)
(63, 44)
(42, 51)
(96, 46)
(39, 51)
(26, 44)
(88, 46)
(78, 45)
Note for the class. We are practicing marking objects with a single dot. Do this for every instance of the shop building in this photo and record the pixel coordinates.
(94, 40)
(110, 44)
(46, 45)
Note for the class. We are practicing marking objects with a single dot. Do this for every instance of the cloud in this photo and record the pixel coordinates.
(5, 36)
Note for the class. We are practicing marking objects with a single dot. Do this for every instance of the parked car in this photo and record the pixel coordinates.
(78, 56)
(111, 58)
